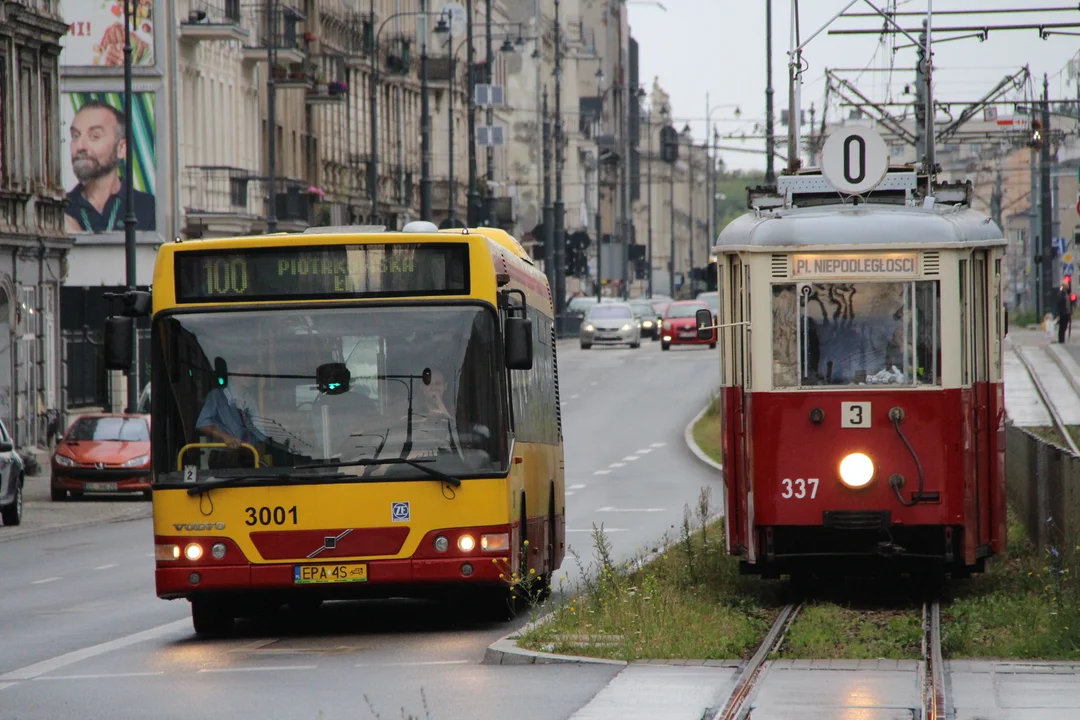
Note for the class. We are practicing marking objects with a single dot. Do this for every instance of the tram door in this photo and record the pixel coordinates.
(980, 343)
(738, 466)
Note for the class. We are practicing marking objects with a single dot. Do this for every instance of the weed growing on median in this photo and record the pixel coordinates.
(1026, 606)
(684, 599)
(404, 715)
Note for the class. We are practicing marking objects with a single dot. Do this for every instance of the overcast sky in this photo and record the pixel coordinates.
(718, 47)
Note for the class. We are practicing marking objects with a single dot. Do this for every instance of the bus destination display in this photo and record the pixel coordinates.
(314, 272)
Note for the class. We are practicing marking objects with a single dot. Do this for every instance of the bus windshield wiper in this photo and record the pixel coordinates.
(369, 462)
(234, 480)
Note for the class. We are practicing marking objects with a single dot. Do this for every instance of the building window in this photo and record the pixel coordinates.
(3, 122)
(51, 149)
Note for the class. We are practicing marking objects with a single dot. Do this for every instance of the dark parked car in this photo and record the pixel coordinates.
(650, 323)
(12, 479)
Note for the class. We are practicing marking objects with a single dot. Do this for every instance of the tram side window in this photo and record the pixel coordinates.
(862, 333)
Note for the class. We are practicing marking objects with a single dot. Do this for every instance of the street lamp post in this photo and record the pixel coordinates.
(129, 214)
(374, 102)
(490, 117)
(425, 126)
(271, 115)
(648, 183)
(472, 214)
(560, 208)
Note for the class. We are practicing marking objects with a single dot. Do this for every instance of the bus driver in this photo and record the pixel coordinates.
(228, 414)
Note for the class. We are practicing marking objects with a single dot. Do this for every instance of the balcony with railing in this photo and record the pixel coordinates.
(441, 196)
(294, 203)
(331, 85)
(398, 55)
(361, 32)
(219, 200)
(210, 20)
(285, 26)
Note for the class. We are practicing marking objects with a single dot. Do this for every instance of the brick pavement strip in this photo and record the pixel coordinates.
(41, 515)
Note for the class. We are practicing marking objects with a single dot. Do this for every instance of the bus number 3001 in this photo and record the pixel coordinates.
(270, 516)
(797, 488)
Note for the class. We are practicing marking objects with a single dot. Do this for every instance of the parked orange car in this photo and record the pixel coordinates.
(108, 453)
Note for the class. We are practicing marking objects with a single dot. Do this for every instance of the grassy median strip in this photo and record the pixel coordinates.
(688, 601)
(706, 432)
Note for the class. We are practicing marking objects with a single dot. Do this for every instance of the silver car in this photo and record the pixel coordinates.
(11, 480)
(610, 324)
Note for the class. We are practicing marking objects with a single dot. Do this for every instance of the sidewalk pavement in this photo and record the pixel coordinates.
(42, 515)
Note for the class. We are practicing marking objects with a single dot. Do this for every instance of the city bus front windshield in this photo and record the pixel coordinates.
(328, 387)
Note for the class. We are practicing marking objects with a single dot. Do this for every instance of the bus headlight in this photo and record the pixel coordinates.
(466, 543)
(856, 470)
(193, 551)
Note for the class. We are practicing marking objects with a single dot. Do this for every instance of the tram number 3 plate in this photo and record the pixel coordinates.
(799, 488)
(855, 414)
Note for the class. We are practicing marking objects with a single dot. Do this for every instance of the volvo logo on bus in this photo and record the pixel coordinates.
(196, 527)
(855, 159)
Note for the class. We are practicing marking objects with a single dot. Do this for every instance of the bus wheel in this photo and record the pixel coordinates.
(211, 617)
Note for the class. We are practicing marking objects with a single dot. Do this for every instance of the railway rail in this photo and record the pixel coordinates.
(933, 698)
(1044, 395)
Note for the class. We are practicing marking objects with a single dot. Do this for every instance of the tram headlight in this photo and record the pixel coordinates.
(856, 470)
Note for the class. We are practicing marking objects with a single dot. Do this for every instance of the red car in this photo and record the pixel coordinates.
(680, 326)
(108, 453)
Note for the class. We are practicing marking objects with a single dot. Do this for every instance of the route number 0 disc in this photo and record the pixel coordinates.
(854, 160)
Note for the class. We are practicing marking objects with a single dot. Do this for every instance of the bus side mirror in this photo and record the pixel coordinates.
(519, 350)
(119, 334)
(704, 320)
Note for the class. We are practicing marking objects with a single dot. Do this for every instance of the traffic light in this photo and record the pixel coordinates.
(577, 258)
(1037, 135)
(669, 144)
(539, 247)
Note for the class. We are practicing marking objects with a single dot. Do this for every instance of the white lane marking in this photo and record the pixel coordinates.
(575, 487)
(262, 668)
(593, 383)
(568, 493)
(607, 530)
(415, 664)
(105, 567)
(617, 465)
(45, 580)
(46, 666)
(646, 451)
(632, 458)
(602, 472)
(574, 397)
(104, 676)
(6, 685)
(658, 445)
(564, 403)
(608, 508)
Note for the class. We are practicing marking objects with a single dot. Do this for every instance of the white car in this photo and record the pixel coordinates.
(610, 324)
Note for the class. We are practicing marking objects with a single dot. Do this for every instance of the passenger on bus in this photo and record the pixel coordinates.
(229, 414)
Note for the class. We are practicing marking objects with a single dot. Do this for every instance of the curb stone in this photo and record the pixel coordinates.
(138, 514)
(688, 436)
(505, 651)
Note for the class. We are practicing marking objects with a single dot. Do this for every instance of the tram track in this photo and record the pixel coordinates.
(933, 699)
(1044, 394)
(738, 703)
(933, 666)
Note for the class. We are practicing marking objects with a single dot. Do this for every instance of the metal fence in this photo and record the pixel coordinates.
(1044, 488)
(85, 376)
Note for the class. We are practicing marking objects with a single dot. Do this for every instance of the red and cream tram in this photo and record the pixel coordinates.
(860, 352)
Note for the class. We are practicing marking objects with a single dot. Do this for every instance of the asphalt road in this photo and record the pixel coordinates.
(82, 634)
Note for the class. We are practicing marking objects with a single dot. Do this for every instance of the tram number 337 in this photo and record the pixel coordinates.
(799, 488)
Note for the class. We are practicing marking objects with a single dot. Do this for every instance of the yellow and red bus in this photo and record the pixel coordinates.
(351, 412)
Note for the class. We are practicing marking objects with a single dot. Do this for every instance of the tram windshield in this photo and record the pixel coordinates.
(860, 333)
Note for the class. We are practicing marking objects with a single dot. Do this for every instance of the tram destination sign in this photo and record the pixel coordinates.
(866, 265)
(322, 272)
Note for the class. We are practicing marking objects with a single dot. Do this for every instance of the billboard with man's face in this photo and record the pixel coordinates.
(94, 167)
(95, 35)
